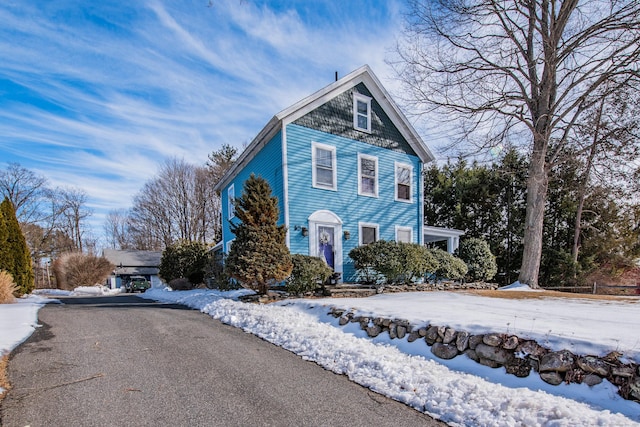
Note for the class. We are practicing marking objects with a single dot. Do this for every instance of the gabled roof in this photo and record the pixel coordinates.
(364, 75)
(129, 258)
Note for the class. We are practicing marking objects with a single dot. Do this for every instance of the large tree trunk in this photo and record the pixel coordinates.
(537, 185)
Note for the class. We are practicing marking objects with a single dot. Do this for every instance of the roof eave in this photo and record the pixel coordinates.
(247, 155)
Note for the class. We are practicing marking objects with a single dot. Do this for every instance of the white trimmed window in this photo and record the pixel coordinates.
(404, 234)
(324, 172)
(369, 233)
(367, 175)
(403, 181)
(229, 244)
(361, 112)
(231, 195)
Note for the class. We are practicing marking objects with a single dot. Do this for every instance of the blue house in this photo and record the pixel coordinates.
(346, 166)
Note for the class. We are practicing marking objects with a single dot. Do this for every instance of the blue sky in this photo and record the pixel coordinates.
(96, 95)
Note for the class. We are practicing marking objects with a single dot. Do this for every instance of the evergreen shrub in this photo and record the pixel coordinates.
(392, 262)
(184, 259)
(418, 261)
(308, 273)
(216, 275)
(363, 257)
(476, 254)
(448, 266)
(7, 288)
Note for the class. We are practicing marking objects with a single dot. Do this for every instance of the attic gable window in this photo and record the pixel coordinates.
(324, 171)
(361, 112)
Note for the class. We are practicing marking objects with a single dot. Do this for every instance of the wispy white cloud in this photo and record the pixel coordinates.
(98, 95)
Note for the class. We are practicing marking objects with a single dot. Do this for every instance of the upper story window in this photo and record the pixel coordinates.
(324, 172)
(231, 195)
(367, 175)
(404, 234)
(404, 173)
(361, 112)
(368, 233)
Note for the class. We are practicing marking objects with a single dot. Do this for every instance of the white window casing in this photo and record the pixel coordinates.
(404, 234)
(324, 172)
(403, 174)
(365, 229)
(231, 210)
(361, 112)
(367, 175)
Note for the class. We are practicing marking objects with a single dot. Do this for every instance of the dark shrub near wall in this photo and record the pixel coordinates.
(307, 274)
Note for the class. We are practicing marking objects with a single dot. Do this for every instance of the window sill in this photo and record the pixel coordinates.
(320, 187)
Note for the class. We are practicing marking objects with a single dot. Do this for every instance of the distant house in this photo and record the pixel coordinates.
(133, 263)
(346, 166)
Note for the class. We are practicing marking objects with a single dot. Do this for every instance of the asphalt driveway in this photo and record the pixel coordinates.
(126, 361)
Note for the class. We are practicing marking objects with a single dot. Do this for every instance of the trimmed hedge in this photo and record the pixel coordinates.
(393, 262)
(481, 263)
(449, 266)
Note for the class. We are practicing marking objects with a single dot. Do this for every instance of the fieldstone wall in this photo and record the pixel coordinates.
(362, 291)
(519, 356)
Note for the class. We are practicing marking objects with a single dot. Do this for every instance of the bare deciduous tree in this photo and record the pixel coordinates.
(178, 204)
(116, 229)
(74, 213)
(518, 70)
(26, 191)
(607, 138)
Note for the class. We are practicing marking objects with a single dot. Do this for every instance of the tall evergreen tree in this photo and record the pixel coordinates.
(259, 256)
(4, 246)
(16, 255)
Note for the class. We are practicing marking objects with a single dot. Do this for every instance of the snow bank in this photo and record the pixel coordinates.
(404, 371)
(18, 321)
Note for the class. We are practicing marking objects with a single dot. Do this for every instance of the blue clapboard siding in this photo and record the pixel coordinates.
(267, 164)
(352, 208)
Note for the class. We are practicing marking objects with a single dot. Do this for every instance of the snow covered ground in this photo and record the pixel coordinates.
(457, 391)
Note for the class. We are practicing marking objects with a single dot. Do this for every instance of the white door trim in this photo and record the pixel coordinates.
(328, 219)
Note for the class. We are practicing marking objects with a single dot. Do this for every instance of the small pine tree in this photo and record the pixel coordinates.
(259, 256)
(16, 257)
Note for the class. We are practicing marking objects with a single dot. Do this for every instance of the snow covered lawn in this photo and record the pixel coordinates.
(458, 391)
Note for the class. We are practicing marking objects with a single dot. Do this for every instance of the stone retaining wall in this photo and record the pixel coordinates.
(361, 291)
(518, 356)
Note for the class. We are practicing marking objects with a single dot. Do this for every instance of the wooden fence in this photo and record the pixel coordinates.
(593, 289)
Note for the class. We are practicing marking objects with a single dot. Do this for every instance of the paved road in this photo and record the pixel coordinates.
(125, 361)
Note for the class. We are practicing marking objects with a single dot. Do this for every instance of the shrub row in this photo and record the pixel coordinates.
(376, 263)
(404, 263)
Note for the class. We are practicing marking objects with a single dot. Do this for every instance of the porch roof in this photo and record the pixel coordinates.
(437, 234)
